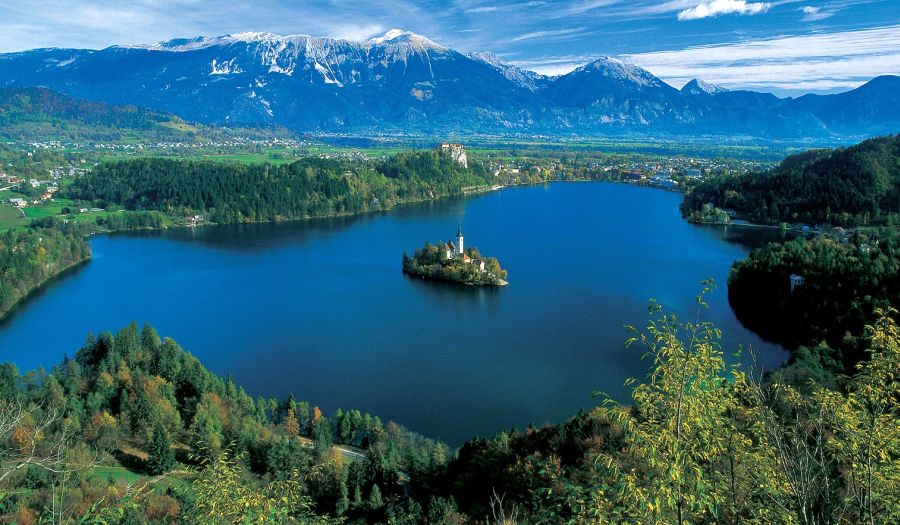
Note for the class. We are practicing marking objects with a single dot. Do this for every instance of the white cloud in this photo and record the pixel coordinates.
(723, 7)
(552, 70)
(578, 8)
(816, 61)
(545, 34)
(355, 33)
(484, 9)
(813, 14)
(553, 65)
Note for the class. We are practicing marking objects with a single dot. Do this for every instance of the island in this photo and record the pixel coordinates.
(449, 261)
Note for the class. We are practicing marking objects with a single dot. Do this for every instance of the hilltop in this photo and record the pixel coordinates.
(846, 186)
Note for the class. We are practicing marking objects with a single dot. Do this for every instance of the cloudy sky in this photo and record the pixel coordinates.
(785, 46)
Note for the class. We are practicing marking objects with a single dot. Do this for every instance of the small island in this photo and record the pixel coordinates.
(449, 261)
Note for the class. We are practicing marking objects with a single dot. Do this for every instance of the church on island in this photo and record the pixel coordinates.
(455, 251)
(451, 261)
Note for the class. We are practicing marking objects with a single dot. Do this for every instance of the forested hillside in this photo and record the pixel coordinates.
(845, 284)
(135, 430)
(859, 185)
(28, 258)
(40, 114)
(232, 192)
(135, 400)
(29, 113)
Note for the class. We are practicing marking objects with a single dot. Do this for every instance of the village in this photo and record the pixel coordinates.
(675, 173)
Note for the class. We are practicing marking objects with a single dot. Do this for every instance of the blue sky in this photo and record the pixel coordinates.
(784, 46)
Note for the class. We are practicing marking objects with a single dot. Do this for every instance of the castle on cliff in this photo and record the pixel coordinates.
(457, 152)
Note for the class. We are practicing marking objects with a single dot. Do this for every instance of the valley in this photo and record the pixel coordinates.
(228, 296)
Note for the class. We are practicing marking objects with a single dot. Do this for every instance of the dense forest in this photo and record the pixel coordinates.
(134, 430)
(30, 257)
(232, 192)
(134, 400)
(844, 285)
(859, 185)
(430, 263)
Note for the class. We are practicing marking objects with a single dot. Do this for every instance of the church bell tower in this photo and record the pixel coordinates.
(459, 240)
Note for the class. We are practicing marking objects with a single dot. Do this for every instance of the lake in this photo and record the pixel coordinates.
(321, 308)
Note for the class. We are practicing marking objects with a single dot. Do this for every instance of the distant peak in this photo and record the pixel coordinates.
(699, 87)
(605, 58)
(607, 63)
(615, 68)
(393, 34)
(398, 36)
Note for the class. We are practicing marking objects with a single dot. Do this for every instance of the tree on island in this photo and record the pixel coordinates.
(470, 267)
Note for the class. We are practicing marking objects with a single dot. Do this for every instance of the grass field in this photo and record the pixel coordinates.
(11, 217)
(117, 473)
(49, 208)
(179, 477)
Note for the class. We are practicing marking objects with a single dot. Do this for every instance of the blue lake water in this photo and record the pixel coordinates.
(321, 308)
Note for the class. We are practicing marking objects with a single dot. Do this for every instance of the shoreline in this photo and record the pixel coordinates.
(424, 277)
(7, 315)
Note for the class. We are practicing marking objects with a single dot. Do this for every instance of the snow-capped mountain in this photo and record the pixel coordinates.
(404, 81)
(521, 77)
(700, 87)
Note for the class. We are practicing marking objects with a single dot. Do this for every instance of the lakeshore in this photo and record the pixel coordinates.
(282, 297)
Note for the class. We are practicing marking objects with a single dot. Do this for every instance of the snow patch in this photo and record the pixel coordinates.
(225, 68)
(326, 74)
(275, 68)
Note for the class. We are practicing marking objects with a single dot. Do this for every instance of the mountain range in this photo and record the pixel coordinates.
(405, 82)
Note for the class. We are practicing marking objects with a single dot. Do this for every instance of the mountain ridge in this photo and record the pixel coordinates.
(402, 81)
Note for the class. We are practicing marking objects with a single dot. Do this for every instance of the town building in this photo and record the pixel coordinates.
(797, 281)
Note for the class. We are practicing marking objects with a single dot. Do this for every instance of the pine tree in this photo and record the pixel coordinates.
(375, 501)
(322, 437)
(343, 503)
(291, 425)
(357, 498)
(160, 457)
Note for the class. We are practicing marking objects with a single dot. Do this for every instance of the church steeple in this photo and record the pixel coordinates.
(459, 240)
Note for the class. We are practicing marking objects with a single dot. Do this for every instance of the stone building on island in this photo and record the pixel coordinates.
(454, 250)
